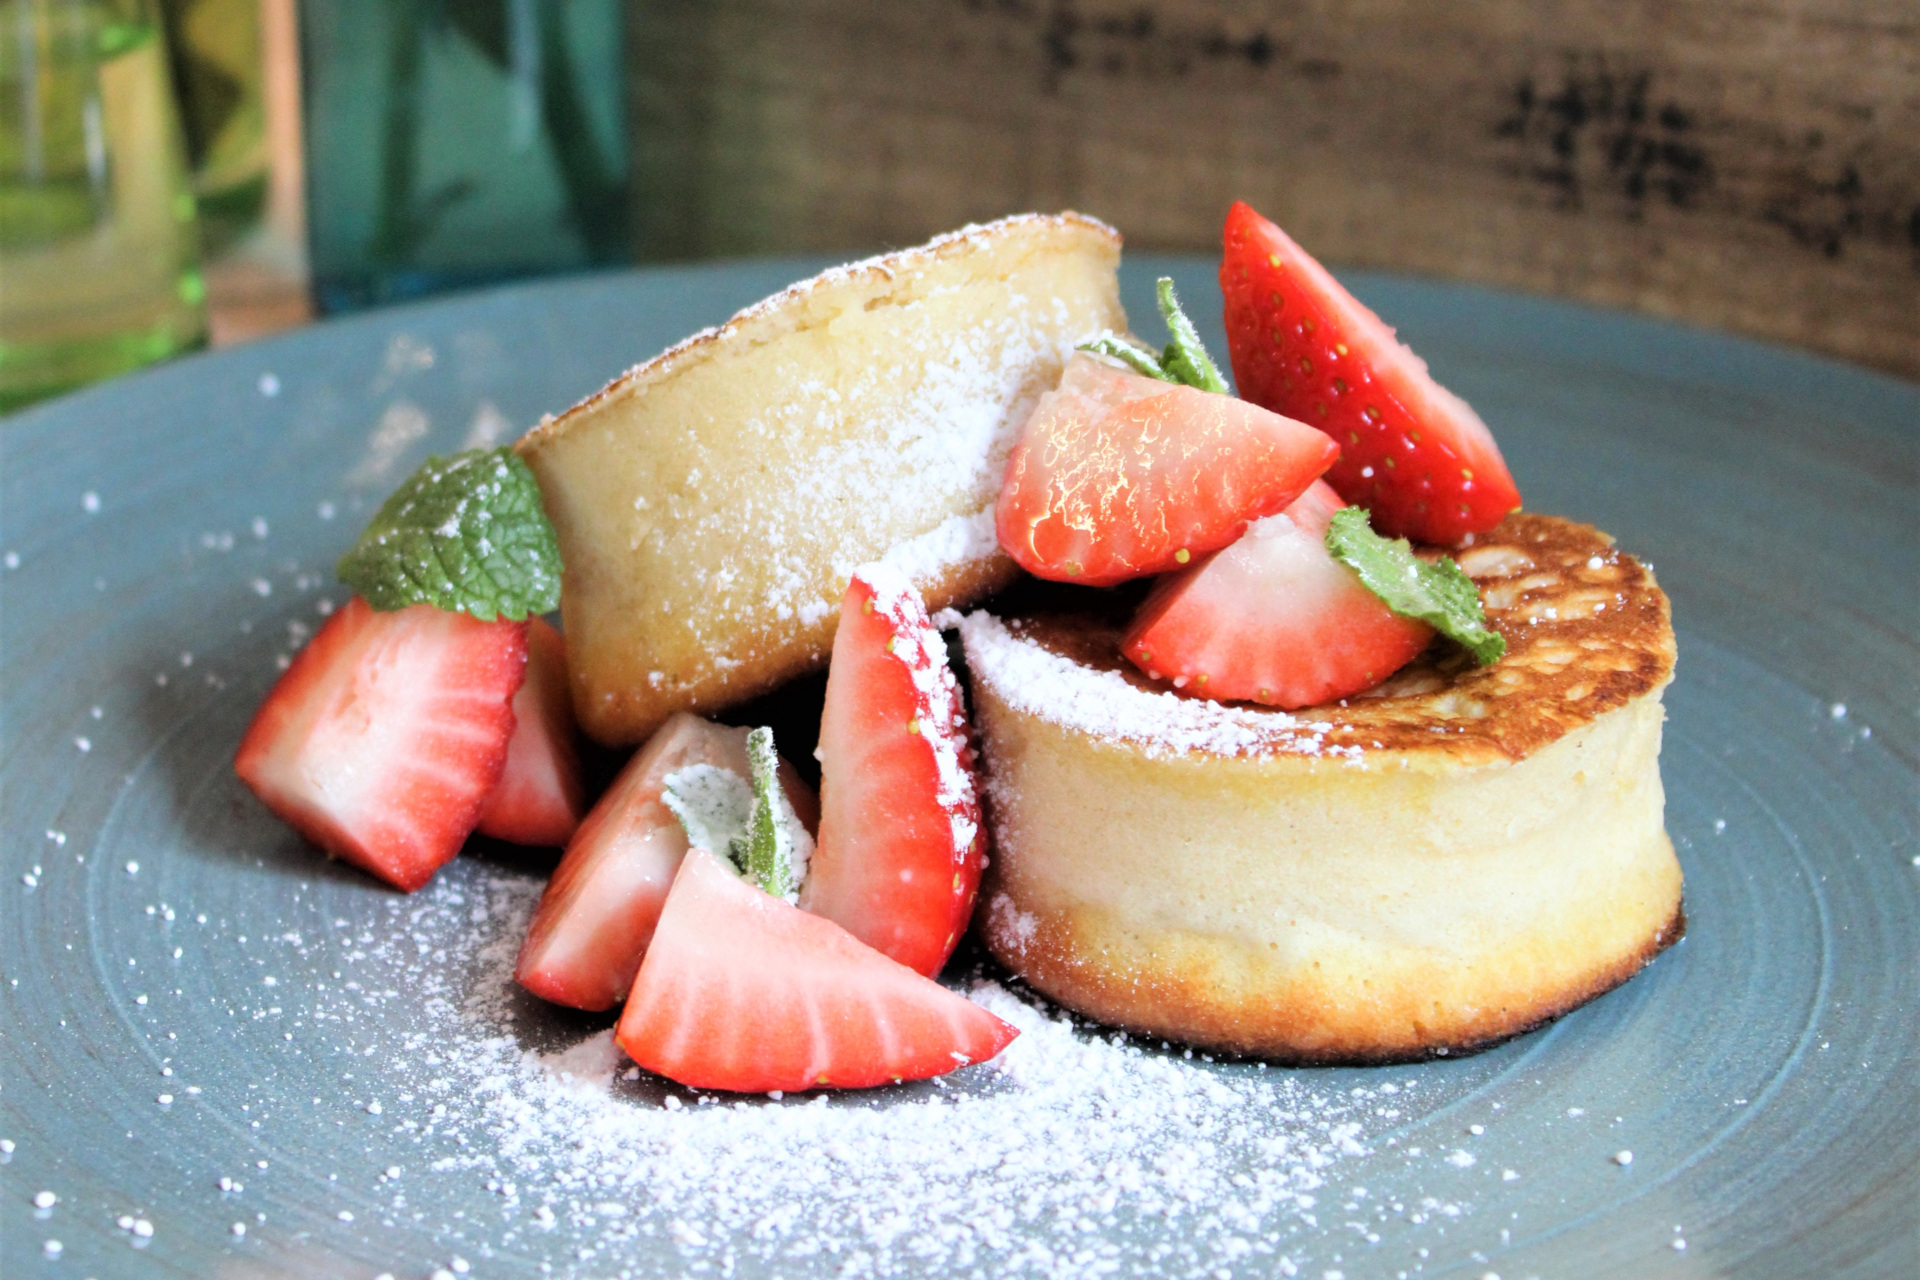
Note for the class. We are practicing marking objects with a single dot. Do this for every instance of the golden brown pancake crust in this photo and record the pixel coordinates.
(1587, 629)
(1181, 1000)
(1534, 781)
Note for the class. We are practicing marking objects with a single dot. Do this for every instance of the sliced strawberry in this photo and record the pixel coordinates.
(1117, 475)
(1411, 451)
(900, 849)
(741, 991)
(382, 740)
(600, 908)
(540, 795)
(1274, 618)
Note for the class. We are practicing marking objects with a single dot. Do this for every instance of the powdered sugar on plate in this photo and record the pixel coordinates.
(1077, 1152)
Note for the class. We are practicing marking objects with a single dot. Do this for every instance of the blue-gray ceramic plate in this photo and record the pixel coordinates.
(221, 1055)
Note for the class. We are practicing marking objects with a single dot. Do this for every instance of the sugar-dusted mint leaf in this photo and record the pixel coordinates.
(713, 804)
(466, 534)
(750, 824)
(1185, 359)
(1139, 360)
(778, 847)
(1438, 593)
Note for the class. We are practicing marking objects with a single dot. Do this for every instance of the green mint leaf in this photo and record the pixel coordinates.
(1438, 594)
(1142, 362)
(777, 845)
(1186, 360)
(466, 534)
(751, 825)
(713, 804)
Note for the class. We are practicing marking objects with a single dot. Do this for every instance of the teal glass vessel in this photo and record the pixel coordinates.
(453, 143)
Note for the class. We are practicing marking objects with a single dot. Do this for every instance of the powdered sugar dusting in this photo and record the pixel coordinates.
(1103, 704)
(894, 447)
(923, 652)
(944, 450)
(1072, 1154)
(957, 540)
(973, 237)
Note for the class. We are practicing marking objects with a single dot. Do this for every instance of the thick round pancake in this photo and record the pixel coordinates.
(711, 503)
(1442, 862)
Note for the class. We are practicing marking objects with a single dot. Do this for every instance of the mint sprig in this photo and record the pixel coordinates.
(777, 845)
(1439, 594)
(1184, 361)
(1139, 359)
(751, 825)
(466, 534)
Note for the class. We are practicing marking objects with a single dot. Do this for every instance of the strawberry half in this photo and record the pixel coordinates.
(383, 738)
(1274, 618)
(598, 914)
(901, 846)
(540, 795)
(741, 991)
(1117, 475)
(1411, 451)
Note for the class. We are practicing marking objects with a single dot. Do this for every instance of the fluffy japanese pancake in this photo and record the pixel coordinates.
(712, 503)
(1450, 859)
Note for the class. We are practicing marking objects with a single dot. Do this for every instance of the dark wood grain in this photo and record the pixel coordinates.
(1753, 166)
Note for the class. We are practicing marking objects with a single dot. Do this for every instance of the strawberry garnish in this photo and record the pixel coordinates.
(742, 991)
(1410, 450)
(383, 738)
(600, 908)
(1274, 618)
(540, 795)
(1118, 475)
(901, 846)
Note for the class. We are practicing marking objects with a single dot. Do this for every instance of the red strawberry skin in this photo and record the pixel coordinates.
(901, 846)
(540, 796)
(383, 738)
(1274, 618)
(601, 905)
(743, 992)
(1117, 476)
(1413, 453)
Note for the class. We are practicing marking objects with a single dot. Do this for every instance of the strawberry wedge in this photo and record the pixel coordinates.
(386, 734)
(600, 908)
(740, 991)
(1411, 451)
(540, 795)
(1117, 475)
(1274, 619)
(901, 847)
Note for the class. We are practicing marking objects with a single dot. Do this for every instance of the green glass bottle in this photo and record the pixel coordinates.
(218, 74)
(99, 251)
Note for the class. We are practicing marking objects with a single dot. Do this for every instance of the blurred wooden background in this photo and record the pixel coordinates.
(1751, 166)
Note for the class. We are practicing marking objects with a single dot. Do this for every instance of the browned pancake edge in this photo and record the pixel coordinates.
(1588, 630)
